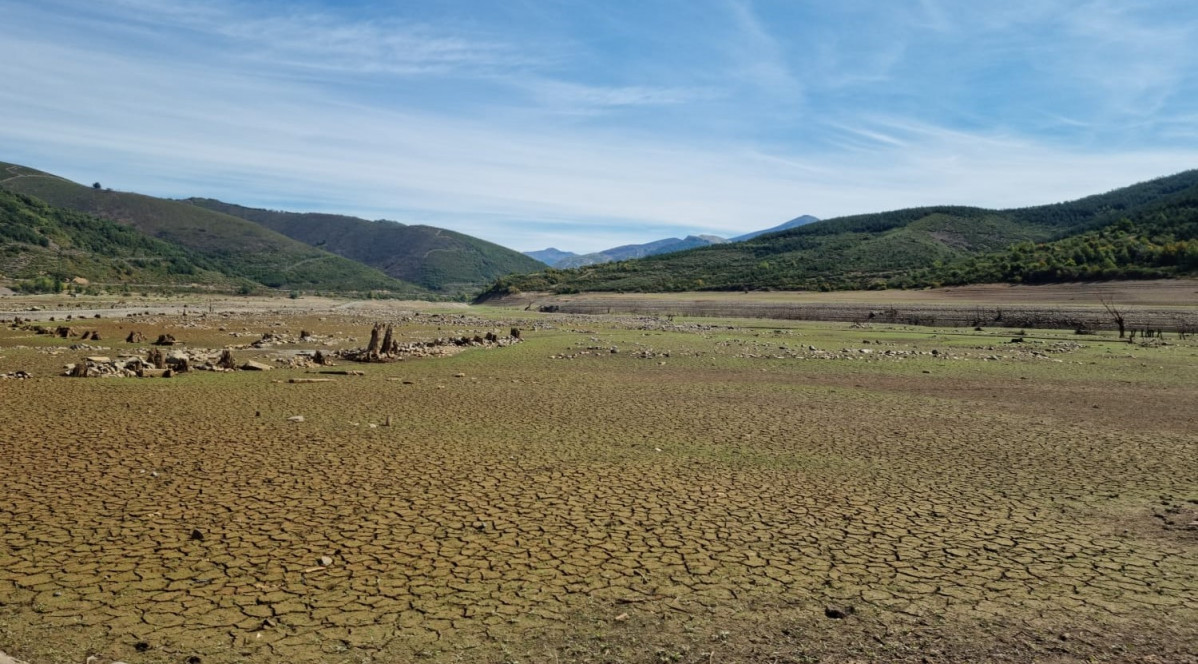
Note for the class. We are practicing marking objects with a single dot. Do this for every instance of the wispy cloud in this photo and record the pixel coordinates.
(496, 132)
(758, 56)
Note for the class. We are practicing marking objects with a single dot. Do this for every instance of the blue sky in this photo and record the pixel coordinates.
(588, 124)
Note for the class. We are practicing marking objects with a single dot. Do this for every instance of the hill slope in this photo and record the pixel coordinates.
(435, 258)
(898, 248)
(38, 240)
(233, 246)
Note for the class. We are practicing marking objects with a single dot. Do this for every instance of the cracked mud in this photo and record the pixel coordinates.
(714, 504)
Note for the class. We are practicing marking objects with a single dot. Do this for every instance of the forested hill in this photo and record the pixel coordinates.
(435, 258)
(927, 246)
(46, 246)
(237, 248)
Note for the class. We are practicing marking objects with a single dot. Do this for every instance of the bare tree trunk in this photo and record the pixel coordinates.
(387, 341)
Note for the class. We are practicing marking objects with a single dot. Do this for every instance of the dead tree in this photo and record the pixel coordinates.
(1116, 315)
(226, 360)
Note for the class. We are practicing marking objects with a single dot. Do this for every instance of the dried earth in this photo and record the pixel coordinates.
(711, 491)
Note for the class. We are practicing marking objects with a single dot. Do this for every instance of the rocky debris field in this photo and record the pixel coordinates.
(678, 491)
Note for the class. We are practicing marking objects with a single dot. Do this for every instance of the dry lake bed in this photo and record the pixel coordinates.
(610, 488)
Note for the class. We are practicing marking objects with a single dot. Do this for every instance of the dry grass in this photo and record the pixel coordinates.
(705, 506)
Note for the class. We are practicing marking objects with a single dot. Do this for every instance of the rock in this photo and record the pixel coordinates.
(459, 375)
(154, 373)
(324, 561)
(165, 340)
(311, 380)
(838, 614)
(196, 535)
(296, 418)
(251, 365)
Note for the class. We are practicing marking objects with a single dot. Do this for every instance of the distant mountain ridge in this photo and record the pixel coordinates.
(625, 252)
(1145, 230)
(793, 223)
(440, 260)
(567, 259)
(550, 256)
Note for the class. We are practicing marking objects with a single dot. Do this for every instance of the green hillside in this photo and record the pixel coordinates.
(232, 246)
(53, 245)
(438, 259)
(922, 246)
(1158, 241)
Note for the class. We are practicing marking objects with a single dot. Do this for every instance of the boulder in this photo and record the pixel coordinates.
(251, 365)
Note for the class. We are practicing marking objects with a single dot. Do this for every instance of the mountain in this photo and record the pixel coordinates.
(440, 260)
(567, 259)
(1145, 229)
(234, 247)
(793, 223)
(627, 251)
(550, 256)
(48, 245)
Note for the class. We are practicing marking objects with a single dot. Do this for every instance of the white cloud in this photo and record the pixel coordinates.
(258, 135)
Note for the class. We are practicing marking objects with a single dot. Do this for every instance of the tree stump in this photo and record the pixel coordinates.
(387, 341)
(156, 358)
(372, 349)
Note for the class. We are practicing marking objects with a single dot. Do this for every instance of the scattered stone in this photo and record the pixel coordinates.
(251, 365)
(311, 380)
(324, 561)
(296, 418)
(196, 535)
(165, 340)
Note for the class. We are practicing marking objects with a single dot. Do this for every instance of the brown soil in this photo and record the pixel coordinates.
(680, 500)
